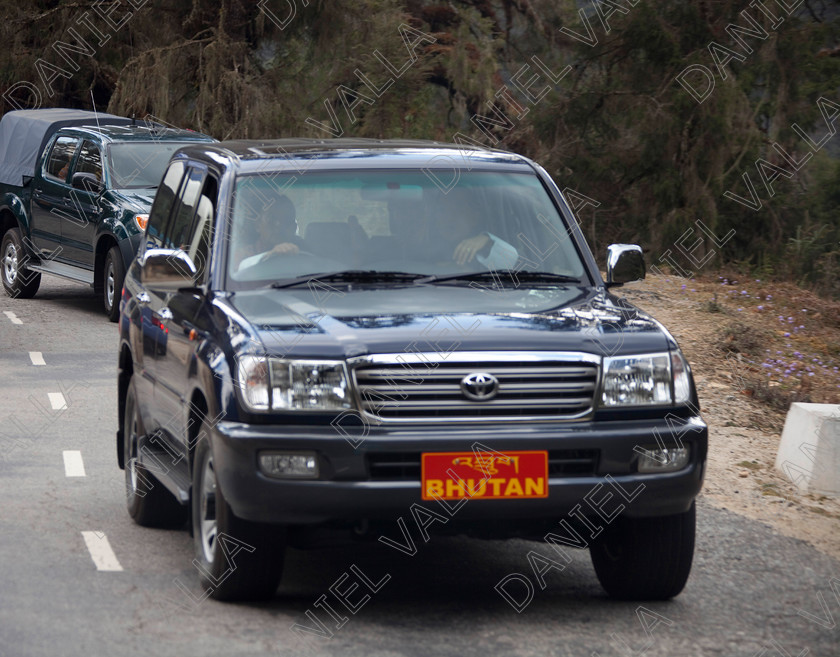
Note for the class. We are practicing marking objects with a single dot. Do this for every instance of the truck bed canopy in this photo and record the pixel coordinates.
(24, 135)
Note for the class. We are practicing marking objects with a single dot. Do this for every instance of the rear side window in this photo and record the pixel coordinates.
(61, 156)
(162, 207)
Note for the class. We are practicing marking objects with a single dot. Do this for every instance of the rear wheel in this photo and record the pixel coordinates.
(149, 502)
(646, 558)
(17, 280)
(113, 275)
(239, 560)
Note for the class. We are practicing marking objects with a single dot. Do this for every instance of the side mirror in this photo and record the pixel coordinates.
(87, 182)
(167, 270)
(625, 264)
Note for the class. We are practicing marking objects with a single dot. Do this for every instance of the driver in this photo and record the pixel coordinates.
(277, 224)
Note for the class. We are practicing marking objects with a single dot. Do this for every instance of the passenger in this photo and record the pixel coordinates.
(457, 234)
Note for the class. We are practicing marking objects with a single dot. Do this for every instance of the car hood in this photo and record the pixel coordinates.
(336, 322)
(137, 200)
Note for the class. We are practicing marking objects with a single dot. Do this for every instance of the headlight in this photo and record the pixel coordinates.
(292, 385)
(644, 380)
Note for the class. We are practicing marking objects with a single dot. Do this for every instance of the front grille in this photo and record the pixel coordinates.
(402, 466)
(420, 387)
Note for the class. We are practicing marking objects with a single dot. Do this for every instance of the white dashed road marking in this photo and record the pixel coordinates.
(12, 317)
(37, 358)
(57, 401)
(100, 551)
(74, 466)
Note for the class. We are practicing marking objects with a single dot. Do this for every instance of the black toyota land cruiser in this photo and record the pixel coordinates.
(335, 333)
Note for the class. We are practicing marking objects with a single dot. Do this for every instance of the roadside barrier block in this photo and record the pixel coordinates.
(809, 452)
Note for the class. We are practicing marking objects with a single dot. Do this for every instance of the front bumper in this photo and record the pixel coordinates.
(346, 491)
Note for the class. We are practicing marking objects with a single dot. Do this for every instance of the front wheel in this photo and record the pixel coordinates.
(17, 280)
(238, 560)
(645, 558)
(149, 503)
(113, 275)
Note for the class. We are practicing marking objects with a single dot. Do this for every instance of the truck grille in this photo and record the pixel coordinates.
(428, 388)
(402, 466)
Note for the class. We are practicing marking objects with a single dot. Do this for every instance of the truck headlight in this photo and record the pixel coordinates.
(292, 385)
(644, 380)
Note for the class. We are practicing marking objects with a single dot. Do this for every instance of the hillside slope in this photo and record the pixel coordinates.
(754, 347)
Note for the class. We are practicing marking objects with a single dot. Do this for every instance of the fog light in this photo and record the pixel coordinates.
(289, 465)
(658, 459)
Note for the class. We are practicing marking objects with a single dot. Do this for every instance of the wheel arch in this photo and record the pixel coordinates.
(103, 245)
(198, 411)
(125, 371)
(8, 220)
(13, 214)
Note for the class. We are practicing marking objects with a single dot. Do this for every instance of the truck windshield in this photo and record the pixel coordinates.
(282, 227)
(136, 165)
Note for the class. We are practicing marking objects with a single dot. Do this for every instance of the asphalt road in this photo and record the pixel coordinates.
(744, 597)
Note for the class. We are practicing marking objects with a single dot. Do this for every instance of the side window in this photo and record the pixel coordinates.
(199, 249)
(178, 235)
(58, 166)
(90, 160)
(162, 207)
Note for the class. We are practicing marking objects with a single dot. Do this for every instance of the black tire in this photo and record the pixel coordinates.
(113, 275)
(17, 280)
(250, 563)
(149, 503)
(645, 558)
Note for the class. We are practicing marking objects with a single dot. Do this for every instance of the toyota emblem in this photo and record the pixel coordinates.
(479, 386)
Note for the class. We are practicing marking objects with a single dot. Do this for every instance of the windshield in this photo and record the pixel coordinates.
(283, 228)
(137, 164)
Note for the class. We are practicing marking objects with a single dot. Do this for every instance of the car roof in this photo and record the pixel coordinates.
(140, 132)
(249, 155)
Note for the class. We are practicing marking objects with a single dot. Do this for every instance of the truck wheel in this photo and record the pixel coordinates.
(645, 558)
(18, 281)
(238, 560)
(113, 275)
(149, 503)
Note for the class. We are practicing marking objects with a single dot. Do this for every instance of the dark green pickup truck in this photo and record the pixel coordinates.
(75, 192)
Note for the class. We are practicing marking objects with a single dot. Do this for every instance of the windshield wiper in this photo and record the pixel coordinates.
(504, 276)
(350, 276)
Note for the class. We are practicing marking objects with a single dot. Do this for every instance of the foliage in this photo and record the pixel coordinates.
(617, 128)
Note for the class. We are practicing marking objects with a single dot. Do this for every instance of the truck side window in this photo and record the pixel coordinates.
(162, 208)
(61, 156)
(177, 237)
(90, 160)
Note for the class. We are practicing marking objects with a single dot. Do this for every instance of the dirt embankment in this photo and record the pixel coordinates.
(754, 347)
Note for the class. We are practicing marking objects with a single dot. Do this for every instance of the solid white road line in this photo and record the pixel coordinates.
(37, 358)
(74, 466)
(100, 551)
(57, 401)
(12, 317)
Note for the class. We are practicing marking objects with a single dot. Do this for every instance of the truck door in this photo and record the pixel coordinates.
(81, 217)
(51, 196)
